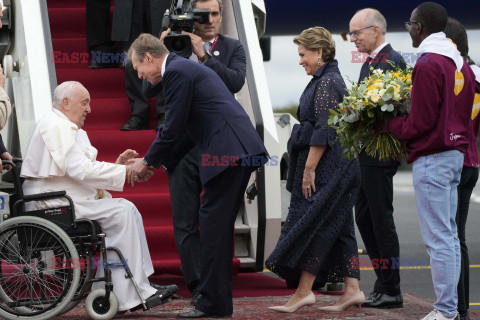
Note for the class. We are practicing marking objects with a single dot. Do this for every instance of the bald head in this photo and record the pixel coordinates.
(368, 27)
(371, 17)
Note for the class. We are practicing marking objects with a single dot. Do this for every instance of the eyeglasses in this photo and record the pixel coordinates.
(408, 24)
(356, 33)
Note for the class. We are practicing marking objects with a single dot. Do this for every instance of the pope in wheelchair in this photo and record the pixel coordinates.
(60, 157)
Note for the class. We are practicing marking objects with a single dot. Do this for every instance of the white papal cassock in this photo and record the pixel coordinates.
(60, 157)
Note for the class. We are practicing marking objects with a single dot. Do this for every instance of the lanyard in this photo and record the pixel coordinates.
(214, 43)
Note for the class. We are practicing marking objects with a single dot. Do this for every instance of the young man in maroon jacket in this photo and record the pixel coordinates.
(435, 134)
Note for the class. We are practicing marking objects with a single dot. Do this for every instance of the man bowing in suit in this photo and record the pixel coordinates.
(226, 57)
(374, 208)
(198, 103)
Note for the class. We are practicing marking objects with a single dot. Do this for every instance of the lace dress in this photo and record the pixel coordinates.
(318, 235)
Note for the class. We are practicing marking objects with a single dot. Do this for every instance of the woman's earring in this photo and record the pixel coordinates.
(319, 61)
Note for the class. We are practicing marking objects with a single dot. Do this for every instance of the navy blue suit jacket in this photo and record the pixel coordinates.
(382, 61)
(228, 60)
(230, 64)
(198, 102)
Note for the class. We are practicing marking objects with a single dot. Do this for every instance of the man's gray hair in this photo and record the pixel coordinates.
(64, 90)
(193, 4)
(147, 43)
(375, 18)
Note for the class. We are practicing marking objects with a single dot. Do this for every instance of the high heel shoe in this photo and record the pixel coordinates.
(357, 299)
(307, 301)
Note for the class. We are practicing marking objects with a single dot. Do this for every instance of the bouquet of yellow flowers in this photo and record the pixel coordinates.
(361, 116)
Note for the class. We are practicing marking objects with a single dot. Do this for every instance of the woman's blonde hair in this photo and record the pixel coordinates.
(317, 38)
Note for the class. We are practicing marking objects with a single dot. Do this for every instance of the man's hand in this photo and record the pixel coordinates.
(2, 78)
(197, 44)
(136, 171)
(150, 173)
(126, 155)
(164, 34)
(5, 156)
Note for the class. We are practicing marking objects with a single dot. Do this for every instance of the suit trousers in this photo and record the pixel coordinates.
(98, 22)
(138, 99)
(468, 180)
(374, 218)
(185, 190)
(221, 199)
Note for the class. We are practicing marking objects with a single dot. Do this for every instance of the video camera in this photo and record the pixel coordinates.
(180, 18)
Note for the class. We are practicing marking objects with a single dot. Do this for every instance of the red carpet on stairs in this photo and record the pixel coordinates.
(111, 109)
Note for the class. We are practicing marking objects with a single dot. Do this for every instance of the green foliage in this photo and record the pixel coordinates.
(292, 110)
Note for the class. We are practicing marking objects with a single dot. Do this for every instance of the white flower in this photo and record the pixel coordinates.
(376, 98)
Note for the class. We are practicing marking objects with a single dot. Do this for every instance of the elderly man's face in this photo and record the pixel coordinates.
(209, 30)
(364, 36)
(149, 69)
(78, 107)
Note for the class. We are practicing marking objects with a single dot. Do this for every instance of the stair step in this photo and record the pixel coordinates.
(247, 263)
(112, 113)
(102, 83)
(242, 229)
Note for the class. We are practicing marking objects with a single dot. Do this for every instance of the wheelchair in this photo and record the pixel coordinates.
(47, 260)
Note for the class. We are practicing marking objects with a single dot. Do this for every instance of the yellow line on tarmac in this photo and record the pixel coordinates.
(404, 268)
(418, 267)
(475, 304)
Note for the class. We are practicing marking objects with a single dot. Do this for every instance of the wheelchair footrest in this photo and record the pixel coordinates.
(30, 302)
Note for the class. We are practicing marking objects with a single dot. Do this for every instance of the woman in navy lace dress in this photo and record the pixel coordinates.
(318, 237)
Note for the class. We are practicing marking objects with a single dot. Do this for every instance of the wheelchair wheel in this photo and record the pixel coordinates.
(86, 274)
(100, 309)
(38, 277)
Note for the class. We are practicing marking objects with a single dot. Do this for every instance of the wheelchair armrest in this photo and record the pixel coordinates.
(44, 196)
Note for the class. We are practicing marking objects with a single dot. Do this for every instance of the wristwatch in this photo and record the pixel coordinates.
(145, 162)
(204, 57)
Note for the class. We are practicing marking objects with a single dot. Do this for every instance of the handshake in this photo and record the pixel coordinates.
(137, 171)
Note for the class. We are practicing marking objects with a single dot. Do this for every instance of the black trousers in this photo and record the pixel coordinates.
(468, 180)
(185, 190)
(138, 99)
(98, 22)
(220, 203)
(374, 217)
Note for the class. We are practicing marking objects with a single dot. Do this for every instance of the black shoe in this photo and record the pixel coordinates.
(99, 65)
(464, 316)
(135, 123)
(109, 49)
(370, 299)
(195, 298)
(170, 289)
(195, 314)
(384, 301)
